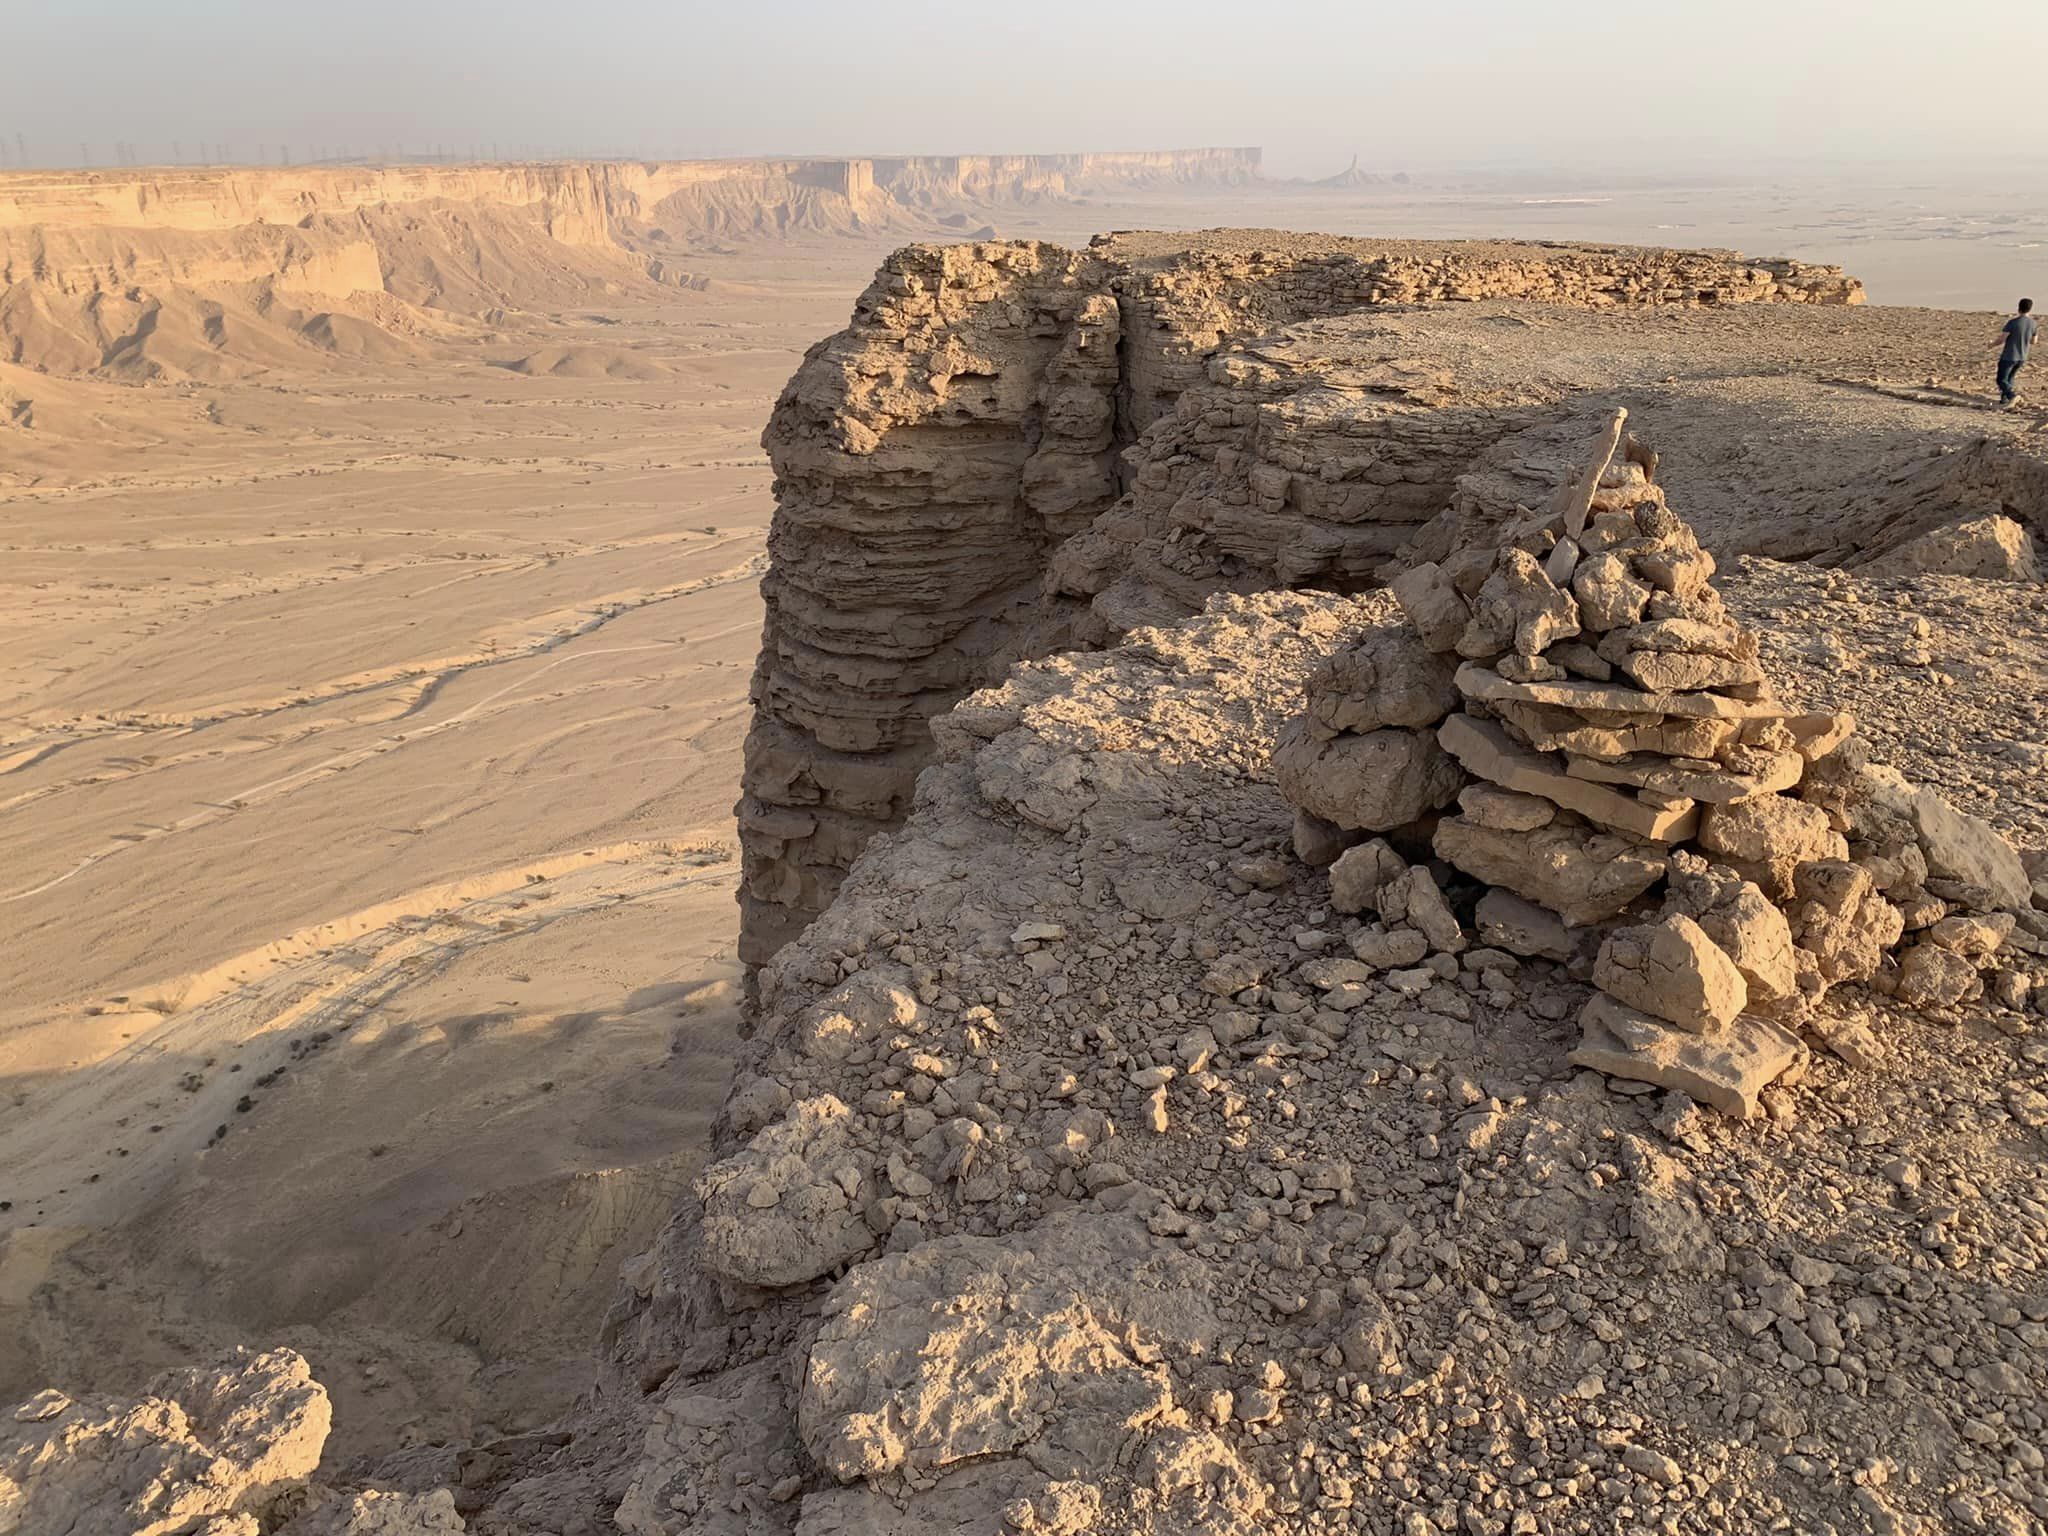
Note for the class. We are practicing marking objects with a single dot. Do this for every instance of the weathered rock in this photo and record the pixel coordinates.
(1506, 921)
(1433, 605)
(1430, 915)
(1490, 806)
(1385, 677)
(1696, 779)
(1609, 595)
(1767, 838)
(787, 1208)
(1582, 875)
(1972, 937)
(1519, 608)
(1737, 916)
(1048, 1346)
(375, 1512)
(1671, 969)
(1841, 919)
(1990, 547)
(1374, 782)
(1961, 847)
(856, 1013)
(1389, 948)
(1318, 842)
(1485, 750)
(1362, 877)
(1673, 672)
(1585, 697)
(1933, 977)
(1727, 1071)
(1554, 728)
(205, 1449)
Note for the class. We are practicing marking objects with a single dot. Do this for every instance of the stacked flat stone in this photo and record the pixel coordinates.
(1611, 711)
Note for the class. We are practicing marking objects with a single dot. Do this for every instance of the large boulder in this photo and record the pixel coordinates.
(206, 1448)
(788, 1207)
(1373, 782)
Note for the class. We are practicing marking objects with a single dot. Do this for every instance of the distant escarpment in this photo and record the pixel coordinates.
(174, 273)
(1016, 448)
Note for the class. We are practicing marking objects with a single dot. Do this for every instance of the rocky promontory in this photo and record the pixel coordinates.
(1393, 888)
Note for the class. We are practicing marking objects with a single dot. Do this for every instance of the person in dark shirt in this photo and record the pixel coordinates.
(2014, 338)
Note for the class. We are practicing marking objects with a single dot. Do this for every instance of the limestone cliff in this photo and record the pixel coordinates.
(950, 496)
(175, 272)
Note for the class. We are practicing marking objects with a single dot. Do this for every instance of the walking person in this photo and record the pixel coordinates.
(2015, 337)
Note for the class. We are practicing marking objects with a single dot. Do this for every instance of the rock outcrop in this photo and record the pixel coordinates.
(206, 1451)
(1202, 1188)
(951, 498)
(1626, 735)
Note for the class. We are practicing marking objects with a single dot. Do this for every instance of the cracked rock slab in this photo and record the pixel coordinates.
(1727, 1071)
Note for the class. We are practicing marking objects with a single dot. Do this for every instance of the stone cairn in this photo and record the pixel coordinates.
(1638, 802)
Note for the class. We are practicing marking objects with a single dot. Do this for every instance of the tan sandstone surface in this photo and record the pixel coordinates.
(1084, 1168)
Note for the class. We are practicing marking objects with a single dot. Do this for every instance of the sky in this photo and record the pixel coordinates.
(1655, 87)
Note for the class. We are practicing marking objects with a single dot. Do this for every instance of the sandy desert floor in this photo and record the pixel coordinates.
(366, 859)
(368, 742)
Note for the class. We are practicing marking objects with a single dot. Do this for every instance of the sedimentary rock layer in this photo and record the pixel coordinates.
(124, 271)
(951, 496)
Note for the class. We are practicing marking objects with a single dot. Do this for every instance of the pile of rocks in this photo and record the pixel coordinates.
(942, 465)
(1637, 798)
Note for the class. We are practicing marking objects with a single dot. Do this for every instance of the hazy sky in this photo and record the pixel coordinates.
(1658, 84)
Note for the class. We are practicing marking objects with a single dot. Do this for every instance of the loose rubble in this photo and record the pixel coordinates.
(1336, 1187)
(1624, 739)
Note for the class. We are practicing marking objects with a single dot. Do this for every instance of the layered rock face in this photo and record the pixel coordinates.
(950, 496)
(927, 461)
(236, 264)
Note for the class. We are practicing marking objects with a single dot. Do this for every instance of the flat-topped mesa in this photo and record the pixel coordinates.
(950, 497)
(1713, 859)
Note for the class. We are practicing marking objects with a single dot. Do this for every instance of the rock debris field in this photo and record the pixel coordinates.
(1429, 949)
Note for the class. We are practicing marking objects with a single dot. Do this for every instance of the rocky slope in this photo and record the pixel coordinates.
(1016, 448)
(1086, 1033)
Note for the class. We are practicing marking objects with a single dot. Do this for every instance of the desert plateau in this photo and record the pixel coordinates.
(1041, 844)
